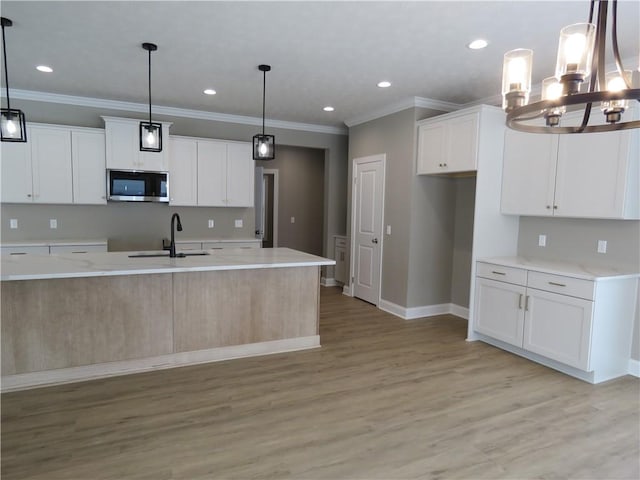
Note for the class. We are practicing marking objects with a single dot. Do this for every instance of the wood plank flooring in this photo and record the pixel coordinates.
(383, 398)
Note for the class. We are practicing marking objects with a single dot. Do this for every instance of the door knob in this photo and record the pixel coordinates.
(375, 240)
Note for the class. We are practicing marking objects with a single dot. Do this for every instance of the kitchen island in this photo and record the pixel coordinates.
(76, 317)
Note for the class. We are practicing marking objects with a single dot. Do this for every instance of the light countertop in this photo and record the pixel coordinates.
(575, 270)
(33, 267)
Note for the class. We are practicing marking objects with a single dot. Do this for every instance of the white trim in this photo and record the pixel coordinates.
(423, 311)
(329, 282)
(25, 381)
(634, 367)
(410, 102)
(173, 111)
(346, 290)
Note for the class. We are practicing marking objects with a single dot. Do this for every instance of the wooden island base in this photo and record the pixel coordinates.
(71, 329)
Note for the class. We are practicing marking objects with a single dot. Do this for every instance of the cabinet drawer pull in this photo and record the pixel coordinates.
(520, 302)
(498, 273)
(526, 303)
(557, 284)
(79, 251)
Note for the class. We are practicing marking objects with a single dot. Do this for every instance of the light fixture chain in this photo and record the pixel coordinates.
(149, 88)
(6, 72)
(264, 94)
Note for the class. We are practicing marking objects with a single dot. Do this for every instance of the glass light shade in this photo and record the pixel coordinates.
(264, 147)
(150, 137)
(616, 83)
(13, 126)
(516, 78)
(575, 49)
(552, 90)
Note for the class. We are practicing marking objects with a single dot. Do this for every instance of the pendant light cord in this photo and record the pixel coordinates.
(6, 74)
(149, 88)
(264, 94)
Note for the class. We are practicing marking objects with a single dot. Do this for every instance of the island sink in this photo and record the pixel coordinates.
(177, 255)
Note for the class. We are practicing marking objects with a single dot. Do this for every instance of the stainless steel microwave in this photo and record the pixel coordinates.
(136, 186)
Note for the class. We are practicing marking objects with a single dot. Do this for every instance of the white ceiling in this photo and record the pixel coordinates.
(322, 53)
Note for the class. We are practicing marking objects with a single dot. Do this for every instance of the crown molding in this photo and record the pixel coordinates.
(410, 102)
(172, 111)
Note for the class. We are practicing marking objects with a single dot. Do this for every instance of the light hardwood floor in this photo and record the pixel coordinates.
(382, 398)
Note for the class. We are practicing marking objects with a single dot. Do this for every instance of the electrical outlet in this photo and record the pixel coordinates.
(542, 240)
(53, 223)
(293, 219)
(602, 246)
(239, 223)
(210, 224)
(388, 229)
(13, 223)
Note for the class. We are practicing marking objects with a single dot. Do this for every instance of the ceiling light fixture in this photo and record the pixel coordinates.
(209, 91)
(44, 69)
(477, 44)
(150, 132)
(13, 127)
(264, 146)
(581, 54)
(328, 108)
(384, 84)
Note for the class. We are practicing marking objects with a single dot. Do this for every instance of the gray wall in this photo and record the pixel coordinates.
(300, 195)
(417, 256)
(573, 239)
(127, 226)
(463, 241)
(334, 147)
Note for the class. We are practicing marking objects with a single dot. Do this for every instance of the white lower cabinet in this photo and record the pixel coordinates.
(580, 326)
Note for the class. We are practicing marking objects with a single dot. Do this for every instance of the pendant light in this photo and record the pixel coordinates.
(580, 62)
(150, 132)
(264, 146)
(13, 127)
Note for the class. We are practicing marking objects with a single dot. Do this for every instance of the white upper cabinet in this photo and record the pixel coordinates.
(123, 146)
(88, 160)
(590, 175)
(15, 172)
(448, 143)
(183, 171)
(212, 173)
(240, 175)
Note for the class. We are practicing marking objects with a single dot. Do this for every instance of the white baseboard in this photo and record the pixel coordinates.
(346, 290)
(329, 282)
(424, 311)
(634, 367)
(25, 381)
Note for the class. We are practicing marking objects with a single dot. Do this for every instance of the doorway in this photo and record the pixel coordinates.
(266, 206)
(367, 205)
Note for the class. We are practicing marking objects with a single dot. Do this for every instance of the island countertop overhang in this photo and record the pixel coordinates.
(40, 267)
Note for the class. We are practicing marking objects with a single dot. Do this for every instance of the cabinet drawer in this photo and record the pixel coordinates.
(186, 246)
(575, 287)
(17, 250)
(517, 276)
(340, 242)
(77, 248)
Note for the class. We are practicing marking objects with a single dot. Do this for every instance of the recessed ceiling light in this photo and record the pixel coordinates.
(209, 91)
(44, 68)
(384, 84)
(328, 108)
(477, 44)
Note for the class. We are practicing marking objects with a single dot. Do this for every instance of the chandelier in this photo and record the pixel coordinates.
(581, 60)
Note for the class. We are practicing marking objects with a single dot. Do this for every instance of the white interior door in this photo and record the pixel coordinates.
(368, 201)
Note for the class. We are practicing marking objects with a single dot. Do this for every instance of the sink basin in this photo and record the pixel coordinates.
(166, 254)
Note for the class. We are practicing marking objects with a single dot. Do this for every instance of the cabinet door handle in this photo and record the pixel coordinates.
(557, 284)
(555, 207)
(548, 207)
(520, 302)
(526, 303)
(29, 195)
(498, 273)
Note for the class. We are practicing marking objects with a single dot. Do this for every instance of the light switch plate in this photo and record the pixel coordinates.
(239, 223)
(542, 240)
(602, 246)
(210, 223)
(388, 229)
(13, 223)
(293, 219)
(53, 223)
